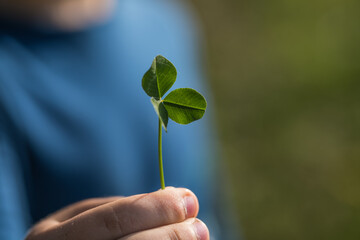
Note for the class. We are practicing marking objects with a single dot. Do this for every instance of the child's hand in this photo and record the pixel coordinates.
(165, 214)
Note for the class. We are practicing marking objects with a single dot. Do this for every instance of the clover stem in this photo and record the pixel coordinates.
(161, 168)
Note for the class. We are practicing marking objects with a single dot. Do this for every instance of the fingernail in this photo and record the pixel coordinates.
(190, 206)
(201, 230)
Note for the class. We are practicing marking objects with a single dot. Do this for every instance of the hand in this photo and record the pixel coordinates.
(164, 214)
(65, 15)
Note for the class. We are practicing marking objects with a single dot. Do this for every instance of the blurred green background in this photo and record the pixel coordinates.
(286, 79)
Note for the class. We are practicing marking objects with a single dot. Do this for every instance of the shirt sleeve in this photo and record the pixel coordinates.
(13, 210)
(12, 214)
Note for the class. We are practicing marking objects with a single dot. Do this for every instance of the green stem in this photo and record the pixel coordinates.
(161, 168)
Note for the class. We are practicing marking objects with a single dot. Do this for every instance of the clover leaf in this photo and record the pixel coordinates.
(183, 105)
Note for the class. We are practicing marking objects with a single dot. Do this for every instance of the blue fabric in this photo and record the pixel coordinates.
(75, 122)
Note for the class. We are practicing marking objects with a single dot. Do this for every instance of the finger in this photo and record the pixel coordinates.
(52, 221)
(191, 229)
(129, 215)
(70, 211)
(79, 207)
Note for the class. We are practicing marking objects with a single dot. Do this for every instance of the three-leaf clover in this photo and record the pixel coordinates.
(183, 105)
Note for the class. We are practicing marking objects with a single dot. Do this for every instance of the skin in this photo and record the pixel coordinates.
(168, 214)
(63, 15)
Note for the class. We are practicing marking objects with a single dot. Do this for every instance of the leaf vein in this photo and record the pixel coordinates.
(183, 105)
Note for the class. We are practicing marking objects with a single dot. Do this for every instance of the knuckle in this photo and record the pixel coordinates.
(174, 234)
(113, 222)
(181, 232)
(179, 209)
(172, 207)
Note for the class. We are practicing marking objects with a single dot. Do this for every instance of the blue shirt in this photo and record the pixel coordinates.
(75, 122)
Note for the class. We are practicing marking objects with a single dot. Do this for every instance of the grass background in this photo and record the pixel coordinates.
(286, 79)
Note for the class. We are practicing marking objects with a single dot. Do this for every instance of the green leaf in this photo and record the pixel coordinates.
(159, 78)
(185, 105)
(161, 112)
